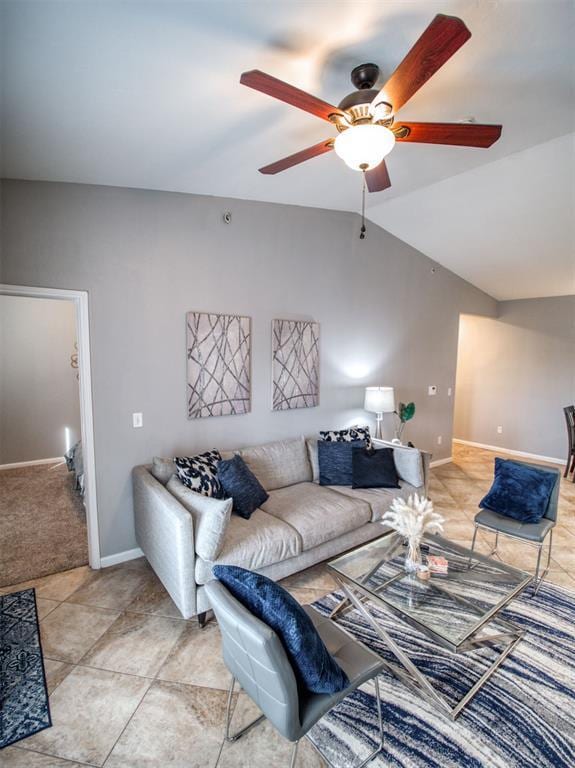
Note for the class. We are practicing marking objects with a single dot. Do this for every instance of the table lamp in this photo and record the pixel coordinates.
(379, 400)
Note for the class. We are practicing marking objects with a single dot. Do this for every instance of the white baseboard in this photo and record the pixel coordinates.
(521, 454)
(121, 557)
(439, 462)
(18, 464)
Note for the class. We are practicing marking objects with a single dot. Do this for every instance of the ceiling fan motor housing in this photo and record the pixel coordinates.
(357, 104)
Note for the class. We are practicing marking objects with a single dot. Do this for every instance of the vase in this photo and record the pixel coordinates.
(413, 556)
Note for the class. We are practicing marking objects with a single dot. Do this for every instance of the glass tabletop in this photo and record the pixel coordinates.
(454, 607)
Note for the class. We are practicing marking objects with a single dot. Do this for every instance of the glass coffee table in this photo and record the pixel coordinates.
(458, 610)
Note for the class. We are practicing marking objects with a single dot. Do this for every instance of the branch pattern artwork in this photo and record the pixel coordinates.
(219, 364)
(295, 374)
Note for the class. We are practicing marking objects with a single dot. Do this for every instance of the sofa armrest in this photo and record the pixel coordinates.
(165, 533)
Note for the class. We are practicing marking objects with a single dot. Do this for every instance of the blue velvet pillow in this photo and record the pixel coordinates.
(335, 461)
(239, 482)
(312, 663)
(519, 491)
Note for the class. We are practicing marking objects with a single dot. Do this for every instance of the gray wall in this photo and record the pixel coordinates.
(148, 257)
(38, 390)
(517, 371)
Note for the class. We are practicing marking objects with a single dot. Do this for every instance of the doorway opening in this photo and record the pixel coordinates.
(47, 442)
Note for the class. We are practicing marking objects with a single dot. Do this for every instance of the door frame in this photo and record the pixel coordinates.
(81, 306)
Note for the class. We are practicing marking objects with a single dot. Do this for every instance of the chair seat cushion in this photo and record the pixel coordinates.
(311, 661)
(379, 499)
(318, 514)
(531, 531)
(519, 491)
(262, 540)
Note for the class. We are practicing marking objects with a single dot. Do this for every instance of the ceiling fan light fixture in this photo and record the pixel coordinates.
(363, 147)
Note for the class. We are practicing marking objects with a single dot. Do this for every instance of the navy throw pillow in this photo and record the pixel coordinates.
(312, 663)
(335, 463)
(519, 491)
(239, 482)
(373, 469)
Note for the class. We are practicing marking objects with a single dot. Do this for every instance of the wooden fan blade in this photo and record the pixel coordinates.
(378, 178)
(259, 81)
(442, 38)
(461, 134)
(298, 157)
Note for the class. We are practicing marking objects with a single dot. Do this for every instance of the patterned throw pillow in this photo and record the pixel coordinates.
(200, 473)
(346, 435)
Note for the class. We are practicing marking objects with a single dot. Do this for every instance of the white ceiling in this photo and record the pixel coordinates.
(146, 94)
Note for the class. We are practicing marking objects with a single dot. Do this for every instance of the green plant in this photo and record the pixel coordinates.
(405, 412)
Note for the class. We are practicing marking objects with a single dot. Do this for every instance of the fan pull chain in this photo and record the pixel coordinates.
(363, 227)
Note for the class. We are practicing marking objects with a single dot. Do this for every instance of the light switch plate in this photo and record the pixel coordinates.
(137, 420)
(499, 430)
(448, 391)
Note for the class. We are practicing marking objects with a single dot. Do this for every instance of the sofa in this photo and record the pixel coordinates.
(301, 523)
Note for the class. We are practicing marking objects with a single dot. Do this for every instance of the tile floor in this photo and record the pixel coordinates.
(134, 686)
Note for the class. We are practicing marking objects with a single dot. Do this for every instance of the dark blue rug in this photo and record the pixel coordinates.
(524, 717)
(24, 706)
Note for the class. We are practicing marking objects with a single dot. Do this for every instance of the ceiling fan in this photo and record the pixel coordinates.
(365, 119)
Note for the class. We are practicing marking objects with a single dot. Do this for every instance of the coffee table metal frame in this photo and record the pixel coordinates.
(356, 595)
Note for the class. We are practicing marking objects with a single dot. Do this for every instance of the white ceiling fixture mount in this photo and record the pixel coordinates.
(365, 118)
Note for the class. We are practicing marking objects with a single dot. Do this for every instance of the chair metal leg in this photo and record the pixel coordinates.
(538, 580)
(245, 729)
(379, 747)
(293, 754)
(473, 545)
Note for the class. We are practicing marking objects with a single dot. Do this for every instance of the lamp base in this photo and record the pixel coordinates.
(378, 430)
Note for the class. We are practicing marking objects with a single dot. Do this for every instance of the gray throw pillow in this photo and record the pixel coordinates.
(409, 465)
(162, 469)
(211, 517)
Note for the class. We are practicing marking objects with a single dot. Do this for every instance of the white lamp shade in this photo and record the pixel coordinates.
(379, 399)
(364, 146)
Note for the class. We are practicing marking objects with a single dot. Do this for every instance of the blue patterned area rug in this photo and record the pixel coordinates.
(524, 716)
(23, 694)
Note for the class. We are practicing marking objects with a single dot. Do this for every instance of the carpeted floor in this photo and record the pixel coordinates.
(43, 523)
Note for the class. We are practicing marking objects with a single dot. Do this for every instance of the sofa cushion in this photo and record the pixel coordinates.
(211, 517)
(317, 513)
(379, 499)
(262, 540)
(279, 464)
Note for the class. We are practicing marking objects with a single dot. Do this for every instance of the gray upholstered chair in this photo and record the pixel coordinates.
(254, 655)
(534, 534)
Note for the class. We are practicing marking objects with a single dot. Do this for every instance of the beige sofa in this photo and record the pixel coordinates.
(301, 523)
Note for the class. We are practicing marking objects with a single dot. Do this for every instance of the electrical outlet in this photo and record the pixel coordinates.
(431, 390)
(439, 439)
(137, 420)
(500, 430)
(448, 391)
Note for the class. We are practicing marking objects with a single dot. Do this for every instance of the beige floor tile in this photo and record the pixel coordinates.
(316, 577)
(196, 659)
(306, 596)
(561, 578)
(45, 606)
(564, 557)
(179, 726)
(136, 644)
(114, 588)
(153, 598)
(60, 586)
(71, 630)
(263, 747)
(90, 709)
(16, 757)
(56, 671)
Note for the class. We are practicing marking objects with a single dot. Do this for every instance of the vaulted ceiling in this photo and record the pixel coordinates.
(147, 95)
